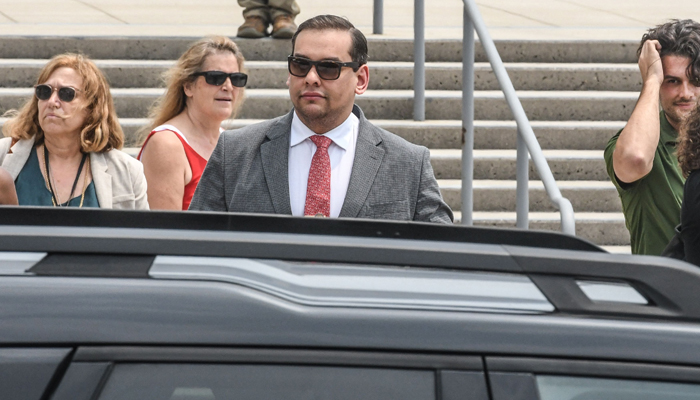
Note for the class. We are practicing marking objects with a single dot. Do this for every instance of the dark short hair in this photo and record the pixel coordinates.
(678, 38)
(358, 51)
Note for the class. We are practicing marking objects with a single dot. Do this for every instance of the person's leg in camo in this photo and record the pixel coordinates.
(282, 13)
(257, 19)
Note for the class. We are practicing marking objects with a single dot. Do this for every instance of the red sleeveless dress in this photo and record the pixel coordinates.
(197, 162)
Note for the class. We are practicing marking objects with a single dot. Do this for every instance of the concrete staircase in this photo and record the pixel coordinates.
(576, 94)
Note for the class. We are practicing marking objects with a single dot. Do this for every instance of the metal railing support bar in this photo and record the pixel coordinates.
(378, 17)
(524, 129)
(419, 61)
(522, 175)
(467, 120)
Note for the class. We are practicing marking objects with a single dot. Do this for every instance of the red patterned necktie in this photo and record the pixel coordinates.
(318, 189)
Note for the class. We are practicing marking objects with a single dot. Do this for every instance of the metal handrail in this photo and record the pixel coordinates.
(527, 141)
(419, 60)
(378, 27)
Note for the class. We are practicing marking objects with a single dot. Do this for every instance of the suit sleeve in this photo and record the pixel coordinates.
(430, 207)
(210, 194)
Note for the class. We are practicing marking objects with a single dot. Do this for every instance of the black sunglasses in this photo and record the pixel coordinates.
(328, 70)
(44, 92)
(217, 78)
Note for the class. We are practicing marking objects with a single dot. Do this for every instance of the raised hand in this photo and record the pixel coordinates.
(650, 62)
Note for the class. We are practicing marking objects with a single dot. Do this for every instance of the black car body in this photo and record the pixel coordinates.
(138, 305)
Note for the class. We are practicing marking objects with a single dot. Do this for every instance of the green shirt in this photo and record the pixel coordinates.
(652, 204)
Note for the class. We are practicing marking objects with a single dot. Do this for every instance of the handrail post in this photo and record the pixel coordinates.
(522, 172)
(378, 17)
(525, 132)
(419, 61)
(467, 119)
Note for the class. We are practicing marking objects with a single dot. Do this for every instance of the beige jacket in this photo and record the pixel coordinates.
(118, 177)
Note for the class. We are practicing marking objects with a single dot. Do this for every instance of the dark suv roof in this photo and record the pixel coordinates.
(95, 277)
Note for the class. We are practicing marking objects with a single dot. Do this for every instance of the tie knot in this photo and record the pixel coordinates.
(321, 141)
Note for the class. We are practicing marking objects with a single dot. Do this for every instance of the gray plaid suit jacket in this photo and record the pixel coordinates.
(391, 178)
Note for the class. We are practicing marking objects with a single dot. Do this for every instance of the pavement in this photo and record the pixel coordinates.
(506, 19)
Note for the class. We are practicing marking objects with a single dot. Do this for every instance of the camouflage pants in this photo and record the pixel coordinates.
(269, 9)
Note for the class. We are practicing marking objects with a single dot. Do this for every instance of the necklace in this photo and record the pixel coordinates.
(54, 195)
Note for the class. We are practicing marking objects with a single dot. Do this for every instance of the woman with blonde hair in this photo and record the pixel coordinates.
(62, 147)
(204, 88)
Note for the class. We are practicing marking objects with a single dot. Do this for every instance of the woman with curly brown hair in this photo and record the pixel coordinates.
(689, 160)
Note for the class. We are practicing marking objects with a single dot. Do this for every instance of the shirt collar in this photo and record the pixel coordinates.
(668, 134)
(340, 135)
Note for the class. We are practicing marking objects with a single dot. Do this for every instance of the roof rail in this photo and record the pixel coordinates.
(215, 221)
(669, 286)
(554, 262)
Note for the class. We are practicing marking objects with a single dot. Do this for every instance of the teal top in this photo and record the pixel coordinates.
(32, 191)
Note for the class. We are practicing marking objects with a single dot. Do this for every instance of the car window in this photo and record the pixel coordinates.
(573, 388)
(25, 372)
(270, 382)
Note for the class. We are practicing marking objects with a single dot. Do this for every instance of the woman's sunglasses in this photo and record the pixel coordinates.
(217, 78)
(328, 70)
(65, 94)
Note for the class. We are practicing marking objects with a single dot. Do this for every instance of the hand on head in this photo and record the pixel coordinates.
(650, 62)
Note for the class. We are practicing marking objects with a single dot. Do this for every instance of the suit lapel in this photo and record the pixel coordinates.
(101, 179)
(368, 159)
(275, 156)
(14, 162)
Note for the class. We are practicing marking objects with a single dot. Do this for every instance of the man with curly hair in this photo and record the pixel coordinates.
(641, 159)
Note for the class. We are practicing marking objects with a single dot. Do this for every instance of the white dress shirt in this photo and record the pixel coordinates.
(341, 152)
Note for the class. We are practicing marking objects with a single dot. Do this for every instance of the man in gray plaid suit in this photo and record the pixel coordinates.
(324, 158)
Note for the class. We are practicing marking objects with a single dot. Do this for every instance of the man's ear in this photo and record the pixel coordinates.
(362, 79)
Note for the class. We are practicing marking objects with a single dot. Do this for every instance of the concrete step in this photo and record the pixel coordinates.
(380, 49)
(603, 229)
(555, 76)
(383, 75)
(448, 76)
(497, 166)
(436, 134)
(398, 104)
(447, 134)
(499, 195)
(618, 249)
(566, 165)
(562, 135)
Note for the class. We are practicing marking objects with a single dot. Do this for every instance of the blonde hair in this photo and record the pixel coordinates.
(174, 101)
(101, 130)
